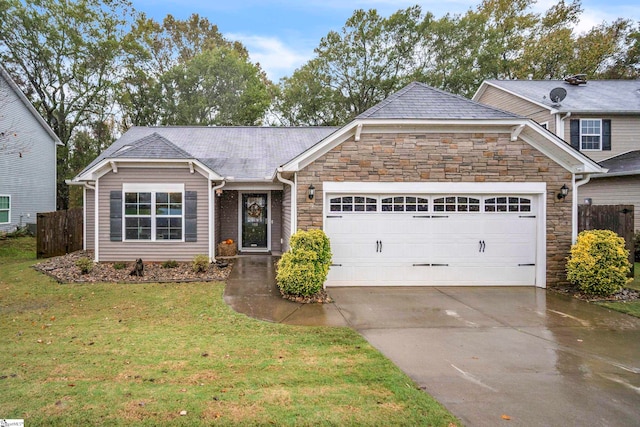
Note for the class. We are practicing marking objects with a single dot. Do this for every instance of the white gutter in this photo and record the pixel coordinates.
(574, 207)
(212, 215)
(294, 202)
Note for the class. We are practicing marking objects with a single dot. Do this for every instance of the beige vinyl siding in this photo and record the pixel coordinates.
(286, 217)
(89, 219)
(505, 101)
(623, 190)
(153, 251)
(625, 131)
(276, 221)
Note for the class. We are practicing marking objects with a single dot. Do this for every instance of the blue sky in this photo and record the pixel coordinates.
(281, 34)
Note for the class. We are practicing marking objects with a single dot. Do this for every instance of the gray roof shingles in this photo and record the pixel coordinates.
(420, 101)
(598, 96)
(254, 153)
(623, 163)
(239, 152)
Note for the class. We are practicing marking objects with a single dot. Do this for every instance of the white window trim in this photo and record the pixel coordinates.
(9, 210)
(599, 135)
(153, 189)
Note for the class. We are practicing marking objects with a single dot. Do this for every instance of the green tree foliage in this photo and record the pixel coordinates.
(354, 69)
(599, 263)
(373, 56)
(187, 73)
(65, 55)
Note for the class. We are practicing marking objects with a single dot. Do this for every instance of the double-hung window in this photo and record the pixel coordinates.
(154, 212)
(590, 134)
(5, 209)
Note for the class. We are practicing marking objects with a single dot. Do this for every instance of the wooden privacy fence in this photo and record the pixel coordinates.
(59, 232)
(618, 218)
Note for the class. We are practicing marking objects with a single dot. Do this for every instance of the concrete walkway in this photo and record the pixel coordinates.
(251, 289)
(483, 352)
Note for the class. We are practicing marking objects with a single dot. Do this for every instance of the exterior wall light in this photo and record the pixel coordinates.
(311, 192)
(564, 190)
(219, 192)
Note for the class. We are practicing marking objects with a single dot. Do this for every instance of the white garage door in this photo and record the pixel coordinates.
(380, 240)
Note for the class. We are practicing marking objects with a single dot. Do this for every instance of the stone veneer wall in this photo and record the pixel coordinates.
(440, 157)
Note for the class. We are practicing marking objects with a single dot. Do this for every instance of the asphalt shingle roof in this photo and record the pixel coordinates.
(239, 152)
(420, 101)
(623, 163)
(598, 96)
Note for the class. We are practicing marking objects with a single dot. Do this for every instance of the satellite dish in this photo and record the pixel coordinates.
(557, 95)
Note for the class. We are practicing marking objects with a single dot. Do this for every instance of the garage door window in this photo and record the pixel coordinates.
(405, 204)
(456, 204)
(353, 204)
(507, 204)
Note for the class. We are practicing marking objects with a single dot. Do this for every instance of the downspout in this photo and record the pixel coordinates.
(574, 207)
(212, 215)
(294, 202)
(560, 124)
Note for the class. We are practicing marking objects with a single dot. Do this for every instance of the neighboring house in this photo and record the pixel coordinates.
(600, 118)
(27, 159)
(425, 188)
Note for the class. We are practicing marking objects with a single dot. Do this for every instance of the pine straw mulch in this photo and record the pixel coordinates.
(64, 270)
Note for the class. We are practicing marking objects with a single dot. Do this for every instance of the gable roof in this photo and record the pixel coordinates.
(596, 96)
(420, 101)
(244, 153)
(14, 87)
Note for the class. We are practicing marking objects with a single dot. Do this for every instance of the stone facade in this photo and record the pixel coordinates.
(444, 157)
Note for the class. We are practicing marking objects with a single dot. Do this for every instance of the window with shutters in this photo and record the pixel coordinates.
(153, 215)
(590, 134)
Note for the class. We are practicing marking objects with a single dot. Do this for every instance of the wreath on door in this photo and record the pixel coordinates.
(254, 210)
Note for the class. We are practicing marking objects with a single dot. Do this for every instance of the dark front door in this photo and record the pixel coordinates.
(254, 221)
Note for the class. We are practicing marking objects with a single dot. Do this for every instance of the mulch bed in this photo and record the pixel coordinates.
(624, 295)
(64, 270)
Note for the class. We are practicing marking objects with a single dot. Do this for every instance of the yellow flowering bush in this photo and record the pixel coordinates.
(599, 263)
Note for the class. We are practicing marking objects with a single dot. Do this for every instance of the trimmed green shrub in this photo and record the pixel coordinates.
(171, 263)
(200, 263)
(599, 263)
(303, 269)
(85, 265)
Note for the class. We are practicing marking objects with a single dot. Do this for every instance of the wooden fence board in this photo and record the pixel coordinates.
(617, 218)
(59, 232)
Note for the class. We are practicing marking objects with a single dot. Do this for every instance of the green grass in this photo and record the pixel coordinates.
(116, 354)
(629, 307)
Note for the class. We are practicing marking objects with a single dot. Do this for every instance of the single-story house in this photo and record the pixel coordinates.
(425, 188)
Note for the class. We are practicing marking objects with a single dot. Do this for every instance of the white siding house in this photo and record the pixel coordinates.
(27, 159)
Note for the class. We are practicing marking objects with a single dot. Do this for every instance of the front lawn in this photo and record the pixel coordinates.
(628, 307)
(140, 354)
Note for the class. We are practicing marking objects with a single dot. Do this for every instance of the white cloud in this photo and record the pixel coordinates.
(275, 57)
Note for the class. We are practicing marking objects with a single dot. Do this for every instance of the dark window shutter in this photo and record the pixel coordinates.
(190, 216)
(606, 135)
(115, 216)
(574, 126)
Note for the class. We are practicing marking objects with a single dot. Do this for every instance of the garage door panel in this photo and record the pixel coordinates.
(433, 248)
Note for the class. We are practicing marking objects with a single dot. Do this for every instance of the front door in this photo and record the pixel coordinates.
(255, 221)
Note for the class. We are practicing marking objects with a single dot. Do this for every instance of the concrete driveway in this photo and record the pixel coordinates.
(539, 358)
(535, 357)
